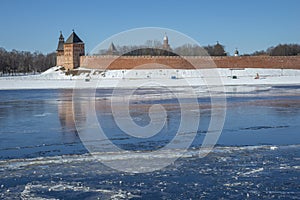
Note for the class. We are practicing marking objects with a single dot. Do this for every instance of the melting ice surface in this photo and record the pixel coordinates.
(257, 155)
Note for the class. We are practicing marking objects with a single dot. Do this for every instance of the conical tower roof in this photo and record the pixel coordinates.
(73, 38)
(112, 48)
(60, 46)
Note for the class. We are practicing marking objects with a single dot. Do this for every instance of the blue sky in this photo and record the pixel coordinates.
(34, 25)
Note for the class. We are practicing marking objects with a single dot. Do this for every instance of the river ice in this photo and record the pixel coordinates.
(256, 156)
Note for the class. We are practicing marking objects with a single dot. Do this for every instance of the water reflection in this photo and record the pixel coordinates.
(67, 109)
(32, 120)
(65, 113)
(86, 106)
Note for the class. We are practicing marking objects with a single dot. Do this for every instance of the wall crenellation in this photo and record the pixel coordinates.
(129, 62)
(70, 54)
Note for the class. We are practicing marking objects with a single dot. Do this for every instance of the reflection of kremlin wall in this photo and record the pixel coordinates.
(70, 54)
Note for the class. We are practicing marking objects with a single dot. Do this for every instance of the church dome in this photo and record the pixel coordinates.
(165, 37)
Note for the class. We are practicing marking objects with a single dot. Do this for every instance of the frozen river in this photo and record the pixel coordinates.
(256, 156)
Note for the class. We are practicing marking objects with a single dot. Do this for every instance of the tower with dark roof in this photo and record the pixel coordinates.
(60, 51)
(112, 50)
(73, 49)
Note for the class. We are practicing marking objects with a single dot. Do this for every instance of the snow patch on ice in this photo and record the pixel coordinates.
(126, 155)
(31, 189)
(253, 171)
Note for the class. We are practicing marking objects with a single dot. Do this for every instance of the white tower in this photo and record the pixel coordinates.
(166, 42)
(236, 52)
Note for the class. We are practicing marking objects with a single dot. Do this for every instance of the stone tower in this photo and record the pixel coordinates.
(60, 51)
(166, 45)
(73, 49)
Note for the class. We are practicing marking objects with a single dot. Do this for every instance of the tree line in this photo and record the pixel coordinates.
(21, 62)
(209, 50)
(279, 50)
(18, 62)
(157, 46)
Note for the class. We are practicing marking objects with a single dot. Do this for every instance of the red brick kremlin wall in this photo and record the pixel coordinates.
(148, 62)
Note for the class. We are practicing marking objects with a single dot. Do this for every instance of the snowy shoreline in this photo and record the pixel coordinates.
(54, 78)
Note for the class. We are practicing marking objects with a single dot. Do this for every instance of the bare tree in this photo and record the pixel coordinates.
(23, 61)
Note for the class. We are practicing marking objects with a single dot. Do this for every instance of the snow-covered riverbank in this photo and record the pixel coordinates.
(55, 78)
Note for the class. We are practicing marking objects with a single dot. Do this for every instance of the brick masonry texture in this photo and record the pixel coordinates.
(164, 62)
